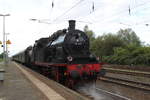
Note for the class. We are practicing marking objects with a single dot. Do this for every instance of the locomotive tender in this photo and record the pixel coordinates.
(64, 56)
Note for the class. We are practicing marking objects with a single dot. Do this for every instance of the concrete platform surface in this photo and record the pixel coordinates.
(16, 86)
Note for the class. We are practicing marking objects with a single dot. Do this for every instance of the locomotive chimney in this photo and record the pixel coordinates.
(71, 25)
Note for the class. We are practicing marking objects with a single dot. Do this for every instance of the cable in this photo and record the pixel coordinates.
(125, 10)
(84, 22)
(103, 20)
(68, 10)
(81, 21)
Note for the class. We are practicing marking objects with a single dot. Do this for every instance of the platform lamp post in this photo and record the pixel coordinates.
(4, 41)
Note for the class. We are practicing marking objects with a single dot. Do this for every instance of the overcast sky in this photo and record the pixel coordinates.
(108, 16)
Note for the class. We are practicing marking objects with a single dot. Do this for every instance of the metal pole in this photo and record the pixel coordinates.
(4, 53)
(6, 49)
(7, 60)
(4, 42)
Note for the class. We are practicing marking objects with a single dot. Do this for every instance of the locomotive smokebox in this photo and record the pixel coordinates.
(72, 24)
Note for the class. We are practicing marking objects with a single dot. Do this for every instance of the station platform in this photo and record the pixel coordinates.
(19, 84)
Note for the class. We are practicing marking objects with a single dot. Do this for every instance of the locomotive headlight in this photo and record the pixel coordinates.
(69, 58)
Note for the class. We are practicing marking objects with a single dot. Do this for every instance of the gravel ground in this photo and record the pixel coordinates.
(129, 67)
(132, 93)
(140, 79)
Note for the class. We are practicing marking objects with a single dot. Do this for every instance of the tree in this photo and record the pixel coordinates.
(124, 47)
(130, 55)
(104, 45)
(1, 55)
(90, 33)
(129, 37)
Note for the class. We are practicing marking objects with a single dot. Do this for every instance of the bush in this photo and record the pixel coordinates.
(128, 56)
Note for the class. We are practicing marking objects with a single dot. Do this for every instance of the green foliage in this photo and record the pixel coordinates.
(91, 36)
(90, 33)
(124, 47)
(104, 45)
(129, 37)
(1, 55)
(136, 56)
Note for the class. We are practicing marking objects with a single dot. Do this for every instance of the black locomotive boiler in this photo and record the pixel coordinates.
(64, 56)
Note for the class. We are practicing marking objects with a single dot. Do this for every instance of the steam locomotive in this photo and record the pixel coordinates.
(64, 57)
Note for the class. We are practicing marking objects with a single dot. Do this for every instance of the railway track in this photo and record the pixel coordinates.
(134, 84)
(128, 72)
(95, 93)
(129, 83)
